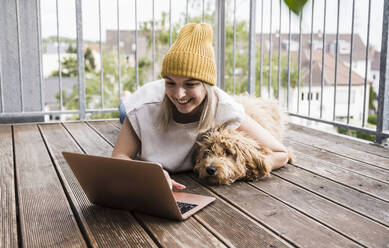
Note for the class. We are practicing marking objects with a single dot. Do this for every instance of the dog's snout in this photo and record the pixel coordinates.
(211, 170)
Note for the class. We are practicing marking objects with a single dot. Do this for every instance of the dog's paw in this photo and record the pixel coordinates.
(291, 157)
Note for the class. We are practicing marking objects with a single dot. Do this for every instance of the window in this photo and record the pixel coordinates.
(302, 96)
(317, 96)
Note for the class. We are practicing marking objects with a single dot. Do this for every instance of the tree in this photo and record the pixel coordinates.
(110, 83)
(69, 65)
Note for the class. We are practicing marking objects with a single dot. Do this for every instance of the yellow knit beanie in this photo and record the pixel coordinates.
(192, 54)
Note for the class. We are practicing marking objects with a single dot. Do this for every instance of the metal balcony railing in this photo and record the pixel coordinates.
(21, 60)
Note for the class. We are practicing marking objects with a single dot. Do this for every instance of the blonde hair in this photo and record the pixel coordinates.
(207, 118)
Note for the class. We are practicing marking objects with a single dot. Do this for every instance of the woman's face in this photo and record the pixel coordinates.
(184, 92)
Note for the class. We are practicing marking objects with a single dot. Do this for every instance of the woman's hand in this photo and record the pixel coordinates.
(173, 183)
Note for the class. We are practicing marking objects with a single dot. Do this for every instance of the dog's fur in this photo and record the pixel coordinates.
(222, 156)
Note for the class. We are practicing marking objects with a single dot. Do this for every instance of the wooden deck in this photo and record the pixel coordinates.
(335, 195)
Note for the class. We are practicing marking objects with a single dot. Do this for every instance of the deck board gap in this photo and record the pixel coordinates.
(343, 155)
(98, 133)
(18, 220)
(330, 200)
(307, 215)
(247, 213)
(351, 187)
(74, 139)
(147, 230)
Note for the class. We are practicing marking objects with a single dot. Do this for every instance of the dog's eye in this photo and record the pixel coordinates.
(228, 153)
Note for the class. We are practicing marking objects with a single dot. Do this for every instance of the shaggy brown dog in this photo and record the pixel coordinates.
(222, 155)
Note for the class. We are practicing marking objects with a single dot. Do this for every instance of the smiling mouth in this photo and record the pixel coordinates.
(183, 102)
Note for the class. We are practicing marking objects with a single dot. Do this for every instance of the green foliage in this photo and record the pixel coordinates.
(372, 97)
(358, 134)
(127, 75)
(71, 49)
(69, 65)
(372, 119)
(295, 5)
(110, 83)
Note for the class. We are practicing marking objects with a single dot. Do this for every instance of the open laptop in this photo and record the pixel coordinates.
(132, 185)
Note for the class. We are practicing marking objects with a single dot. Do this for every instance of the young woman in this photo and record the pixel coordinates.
(163, 118)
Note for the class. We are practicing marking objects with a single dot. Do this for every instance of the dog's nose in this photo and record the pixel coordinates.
(211, 170)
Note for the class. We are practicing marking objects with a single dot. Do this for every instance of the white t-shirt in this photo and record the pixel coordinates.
(172, 148)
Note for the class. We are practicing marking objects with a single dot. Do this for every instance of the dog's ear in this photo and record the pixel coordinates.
(197, 146)
(195, 152)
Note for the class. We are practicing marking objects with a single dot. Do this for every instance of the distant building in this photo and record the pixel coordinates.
(342, 89)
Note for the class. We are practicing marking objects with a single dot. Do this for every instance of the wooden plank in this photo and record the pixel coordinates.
(228, 222)
(362, 203)
(322, 142)
(46, 219)
(168, 233)
(343, 162)
(336, 217)
(115, 123)
(326, 169)
(8, 225)
(355, 143)
(104, 227)
(285, 221)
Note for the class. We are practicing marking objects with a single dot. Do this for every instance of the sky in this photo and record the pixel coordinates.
(67, 23)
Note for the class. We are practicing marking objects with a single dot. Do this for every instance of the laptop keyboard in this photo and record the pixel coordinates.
(185, 207)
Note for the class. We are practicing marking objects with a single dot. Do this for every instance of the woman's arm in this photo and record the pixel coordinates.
(264, 138)
(128, 144)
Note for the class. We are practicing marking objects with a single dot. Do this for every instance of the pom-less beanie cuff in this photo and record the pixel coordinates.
(192, 54)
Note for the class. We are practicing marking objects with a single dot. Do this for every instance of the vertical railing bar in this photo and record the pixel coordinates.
(252, 49)
(279, 57)
(80, 60)
(153, 35)
(310, 62)
(336, 60)
(170, 23)
(323, 60)
(118, 37)
(39, 42)
(221, 43)
(351, 64)
(203, 16)
(270, 48)
(289, 38)
(187, 12)
(299, 63)
(19, 56)
(233, 50)
(1, 87)
(101, 59)
(366, 64)
(136, 45)
(59, 59)
(261, 51)
(383, 110)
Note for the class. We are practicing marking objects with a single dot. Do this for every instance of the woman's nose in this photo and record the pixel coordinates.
(180, 93)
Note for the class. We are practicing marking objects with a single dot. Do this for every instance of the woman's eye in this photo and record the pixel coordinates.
(190, 85)
(170, 83)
